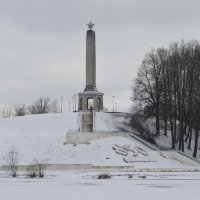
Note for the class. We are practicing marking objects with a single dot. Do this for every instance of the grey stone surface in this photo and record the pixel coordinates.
(87, 122)
(97, 98)
(90, 61)
(90, 98)
(87, 137)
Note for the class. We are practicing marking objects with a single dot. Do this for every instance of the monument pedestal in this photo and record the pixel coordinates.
(90, 100)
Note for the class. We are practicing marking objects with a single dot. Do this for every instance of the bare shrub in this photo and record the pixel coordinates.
(6, 111)
(12, 157)
(130, 176)
(31, 170)
(37, 168)
(139, 124)
(20, 110)
(104, 176)
(40, 167)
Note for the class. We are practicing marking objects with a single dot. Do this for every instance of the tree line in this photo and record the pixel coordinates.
(167, 86)
(40, 106)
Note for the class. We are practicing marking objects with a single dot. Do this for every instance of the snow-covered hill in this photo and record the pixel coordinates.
(42, 137)
(36, 136)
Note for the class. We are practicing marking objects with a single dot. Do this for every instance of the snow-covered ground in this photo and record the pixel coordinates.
(36, 136)
(86, 186)
(165, 141)
(110, 122)
(42, 137)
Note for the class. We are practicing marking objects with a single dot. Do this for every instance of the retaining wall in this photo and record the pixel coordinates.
(177, 156)
(86, 137)
(89, 168)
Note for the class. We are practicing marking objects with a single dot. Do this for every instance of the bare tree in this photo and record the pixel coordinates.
(12, 158)
(54, 107)
(42, 105)
(196, 109)
(147, 90)
(167, 87)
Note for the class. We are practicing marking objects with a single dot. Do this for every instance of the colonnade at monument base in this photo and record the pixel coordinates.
(90, 100)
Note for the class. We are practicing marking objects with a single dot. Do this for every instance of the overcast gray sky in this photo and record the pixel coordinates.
(42, 44)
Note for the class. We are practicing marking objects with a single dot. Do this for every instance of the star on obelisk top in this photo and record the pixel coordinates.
(90, 25)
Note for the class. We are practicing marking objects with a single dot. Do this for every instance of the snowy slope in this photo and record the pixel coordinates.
(110, 122)
(36, 136)
(42, 137)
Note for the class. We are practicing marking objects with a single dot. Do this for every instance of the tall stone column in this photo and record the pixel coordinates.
(90, 61)
(90, 97)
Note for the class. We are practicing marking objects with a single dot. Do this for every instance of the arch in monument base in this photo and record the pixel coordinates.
(90, 101)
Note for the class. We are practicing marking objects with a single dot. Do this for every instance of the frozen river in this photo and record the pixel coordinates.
(86, 186)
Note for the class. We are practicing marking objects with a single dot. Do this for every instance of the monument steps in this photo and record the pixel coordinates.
(87, 122)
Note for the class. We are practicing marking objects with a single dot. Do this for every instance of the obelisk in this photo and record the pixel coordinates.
(90, 98)
(90, 59)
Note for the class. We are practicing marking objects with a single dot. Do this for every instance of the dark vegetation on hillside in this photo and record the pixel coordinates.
(168, 87)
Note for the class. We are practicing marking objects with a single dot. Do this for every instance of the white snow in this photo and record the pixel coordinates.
(36, 136)
(165, 141)
(42, 137)
(86, 186)
(109, 122)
